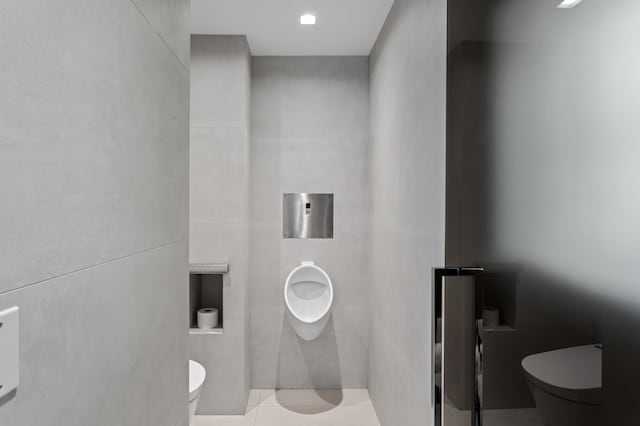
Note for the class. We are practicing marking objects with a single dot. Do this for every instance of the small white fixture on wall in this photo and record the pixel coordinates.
(9, 351)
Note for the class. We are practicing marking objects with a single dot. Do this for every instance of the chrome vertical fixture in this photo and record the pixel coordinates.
(439, 339)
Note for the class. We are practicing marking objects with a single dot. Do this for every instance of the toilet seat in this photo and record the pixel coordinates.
(308, 295)
(197, 374)
(572, 373)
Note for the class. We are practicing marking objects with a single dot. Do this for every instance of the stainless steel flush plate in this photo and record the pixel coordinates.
(307, 215)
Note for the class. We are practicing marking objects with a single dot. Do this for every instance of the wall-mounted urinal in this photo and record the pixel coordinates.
(308, 294)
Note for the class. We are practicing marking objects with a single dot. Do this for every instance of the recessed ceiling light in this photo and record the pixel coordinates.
(308, 19)
(568, 4)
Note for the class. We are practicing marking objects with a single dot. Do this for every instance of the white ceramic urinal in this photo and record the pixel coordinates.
(308, 294)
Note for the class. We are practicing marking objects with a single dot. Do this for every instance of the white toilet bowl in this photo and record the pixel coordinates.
(567, 385)
(308, 294)
(197, 375)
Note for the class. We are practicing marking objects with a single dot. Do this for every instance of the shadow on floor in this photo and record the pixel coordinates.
(312, 401)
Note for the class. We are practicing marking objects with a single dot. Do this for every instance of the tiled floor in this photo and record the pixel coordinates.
(346, 407)
(510, 417)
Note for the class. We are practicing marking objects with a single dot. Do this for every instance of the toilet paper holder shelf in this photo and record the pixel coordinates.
(208, 268)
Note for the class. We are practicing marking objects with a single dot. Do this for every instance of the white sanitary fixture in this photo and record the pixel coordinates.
(308, 294)
(567, 385)
(197, 375)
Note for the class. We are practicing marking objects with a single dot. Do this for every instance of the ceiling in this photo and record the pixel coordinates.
(272, 27)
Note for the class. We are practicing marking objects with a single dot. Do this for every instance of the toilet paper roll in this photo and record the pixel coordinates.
(207, 318)
(490, 316)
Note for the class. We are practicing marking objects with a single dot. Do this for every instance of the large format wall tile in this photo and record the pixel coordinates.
(218, 174)
(104, 346)
(219, 81)
(171, 19)
(94, 117)
(212, 242)
(93, 165)
(309, 134)
(407, 164)
(309, 97)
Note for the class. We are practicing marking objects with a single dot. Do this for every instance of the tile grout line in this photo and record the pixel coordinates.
(86, 268)
(217, 127)
(160, 35)
(255, 420)
(207, 222)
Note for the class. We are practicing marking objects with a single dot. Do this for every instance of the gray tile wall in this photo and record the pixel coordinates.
(219, 209)
(407, 67)
(309, 133)
(93, 160)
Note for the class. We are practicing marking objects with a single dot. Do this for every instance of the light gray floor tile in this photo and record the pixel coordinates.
(249, 419)
(302, 407)
(254, 398)
(281, 416)
(356, 397)
(363, 415)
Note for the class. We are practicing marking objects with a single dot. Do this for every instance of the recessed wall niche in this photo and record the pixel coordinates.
(205, 291)
(500, 285)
